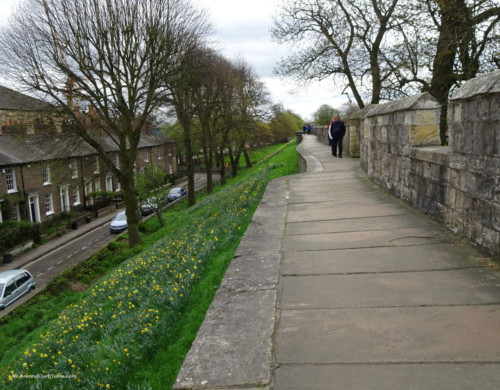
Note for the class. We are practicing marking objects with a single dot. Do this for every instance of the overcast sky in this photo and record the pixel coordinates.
(242, 30)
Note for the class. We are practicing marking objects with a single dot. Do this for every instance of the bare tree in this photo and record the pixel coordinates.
(210, 98)
(465, 30)
(339, 38)
(251, 98)
(184, 100)
(384, 49)
(114, 56)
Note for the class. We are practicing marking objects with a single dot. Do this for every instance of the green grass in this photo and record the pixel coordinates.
(134, 326)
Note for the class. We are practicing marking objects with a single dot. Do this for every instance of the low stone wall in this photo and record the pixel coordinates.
(459, 185)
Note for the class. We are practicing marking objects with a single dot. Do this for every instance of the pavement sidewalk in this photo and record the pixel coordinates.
(338, 285)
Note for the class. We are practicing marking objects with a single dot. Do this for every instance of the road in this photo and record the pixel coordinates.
(73, 252)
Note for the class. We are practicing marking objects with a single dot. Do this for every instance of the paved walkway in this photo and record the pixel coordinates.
(337, 285)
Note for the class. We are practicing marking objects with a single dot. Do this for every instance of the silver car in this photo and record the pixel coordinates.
(14, 285)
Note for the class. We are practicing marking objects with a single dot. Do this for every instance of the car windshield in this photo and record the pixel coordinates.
(1, 289)
(121, 217)
(176, 191)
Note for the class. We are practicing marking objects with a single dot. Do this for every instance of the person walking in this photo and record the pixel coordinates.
(336, 133)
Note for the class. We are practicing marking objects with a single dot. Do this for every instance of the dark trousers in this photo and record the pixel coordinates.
(337, 140)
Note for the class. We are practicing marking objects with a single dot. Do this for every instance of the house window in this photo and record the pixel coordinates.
(76, 195)
(147, 155)
(117, 161)
(46, 174)
(74, 169)
(96, 165)
(159, 153)
(48, 204)
(98, 186)
(10, 176)
(118, 186)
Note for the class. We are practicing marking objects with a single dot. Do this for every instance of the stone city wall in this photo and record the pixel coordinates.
(399, 147)
(459, 185)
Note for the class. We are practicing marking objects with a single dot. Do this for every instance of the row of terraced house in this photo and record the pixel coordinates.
(36, 183)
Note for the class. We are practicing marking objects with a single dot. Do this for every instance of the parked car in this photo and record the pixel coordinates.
(14, 285)
(176, 193)
(149, 206)
(119, 223)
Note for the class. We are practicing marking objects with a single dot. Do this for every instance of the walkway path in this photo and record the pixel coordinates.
(369, 294)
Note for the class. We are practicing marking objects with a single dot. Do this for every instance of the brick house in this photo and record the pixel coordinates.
(44, 172)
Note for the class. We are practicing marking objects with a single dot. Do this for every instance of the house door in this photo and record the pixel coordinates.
(64, 192)
(34, 209)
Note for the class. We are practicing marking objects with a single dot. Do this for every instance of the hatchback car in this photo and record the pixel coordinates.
(119, 223)
(14, 285)
(149, 206)
(176, 193)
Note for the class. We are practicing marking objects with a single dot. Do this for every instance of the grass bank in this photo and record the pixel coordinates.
(132, 328)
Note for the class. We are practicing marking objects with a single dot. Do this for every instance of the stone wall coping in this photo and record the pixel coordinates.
(361, 113)
(481, 85)
(423, 101)
(433, 154)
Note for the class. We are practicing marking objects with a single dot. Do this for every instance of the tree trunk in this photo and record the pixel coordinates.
(189, 164)
(443, 77)
(235, 162)
(247, 157)
(222, 166)
(131, 211)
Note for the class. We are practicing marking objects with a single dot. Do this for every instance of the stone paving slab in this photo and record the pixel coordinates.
(360, 211)
(358, 224)
(361, 239)
(446, 287)
(382, 259)
(389, 335)
(256, 271)
(441, 376)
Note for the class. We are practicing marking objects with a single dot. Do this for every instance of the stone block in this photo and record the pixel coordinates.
(483, 109)
(424, 135)
(468, 183)
(485, 188)
(233, 346)
(491, 239)
(456, 113)
(495, 108)
(449, 197)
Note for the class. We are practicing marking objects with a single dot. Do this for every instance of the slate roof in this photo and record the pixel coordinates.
(12, 100)
(15, 150)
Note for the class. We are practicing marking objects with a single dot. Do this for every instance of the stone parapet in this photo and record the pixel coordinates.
(459, 185)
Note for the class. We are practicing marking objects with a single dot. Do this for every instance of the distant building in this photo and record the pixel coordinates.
(44, 170)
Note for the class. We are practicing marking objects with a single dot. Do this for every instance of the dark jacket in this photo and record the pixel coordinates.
(337, 129)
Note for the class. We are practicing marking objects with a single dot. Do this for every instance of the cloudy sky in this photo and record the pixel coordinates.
(242, 30)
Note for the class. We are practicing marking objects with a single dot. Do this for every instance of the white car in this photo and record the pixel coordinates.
(119, 223)
(14, 285)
